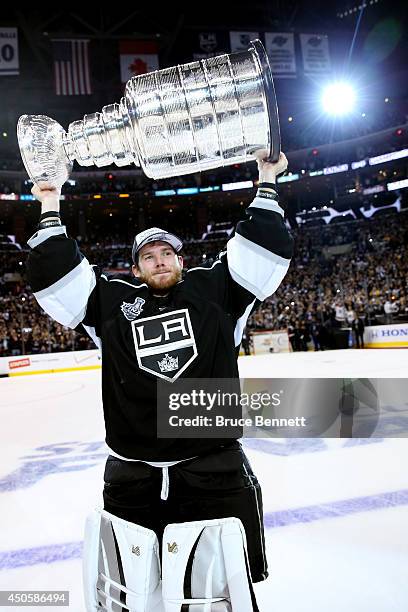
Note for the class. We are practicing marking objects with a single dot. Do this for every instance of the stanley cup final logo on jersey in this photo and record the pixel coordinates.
(132, 311)
(165, 344)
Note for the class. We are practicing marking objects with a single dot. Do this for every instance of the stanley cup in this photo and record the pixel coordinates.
(180, 120)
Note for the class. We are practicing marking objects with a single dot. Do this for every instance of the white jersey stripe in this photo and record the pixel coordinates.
(265, 204)
(240, 325)
(91, 332)
(44, 234)
(202, 268)
(255, 268)
(119, 280)
(67, 299)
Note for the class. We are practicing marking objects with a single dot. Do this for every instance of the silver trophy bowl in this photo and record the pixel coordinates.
(189, 118)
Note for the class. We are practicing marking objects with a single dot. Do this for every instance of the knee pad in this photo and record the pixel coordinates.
(121, 565)
(205, 567)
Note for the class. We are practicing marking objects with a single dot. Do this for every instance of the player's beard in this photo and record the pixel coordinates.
(161, 283)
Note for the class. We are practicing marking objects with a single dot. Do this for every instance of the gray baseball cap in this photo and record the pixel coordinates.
(153, 234)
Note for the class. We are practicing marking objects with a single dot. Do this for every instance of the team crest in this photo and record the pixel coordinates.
(165, 344)
(208, 41)
(132, 311)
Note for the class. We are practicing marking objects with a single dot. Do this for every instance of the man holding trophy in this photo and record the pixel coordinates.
(197, 499)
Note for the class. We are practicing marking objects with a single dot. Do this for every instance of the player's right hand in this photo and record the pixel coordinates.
(46, 193)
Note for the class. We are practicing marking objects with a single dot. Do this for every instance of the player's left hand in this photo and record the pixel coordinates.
(268, 171)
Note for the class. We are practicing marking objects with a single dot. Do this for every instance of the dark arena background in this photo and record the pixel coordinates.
(336, 510)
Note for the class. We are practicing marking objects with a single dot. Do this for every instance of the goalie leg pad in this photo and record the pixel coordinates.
(205, 567)
(121, 565)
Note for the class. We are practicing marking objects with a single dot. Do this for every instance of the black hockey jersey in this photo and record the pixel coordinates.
(194, 332)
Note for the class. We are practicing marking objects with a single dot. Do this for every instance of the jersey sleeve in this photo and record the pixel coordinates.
(260, 251)
(254, 264)
(64, 283)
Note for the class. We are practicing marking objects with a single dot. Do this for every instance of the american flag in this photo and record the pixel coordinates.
(71, 67)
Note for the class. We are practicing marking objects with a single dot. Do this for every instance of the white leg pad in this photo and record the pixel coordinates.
(205, 567)
(121, 565)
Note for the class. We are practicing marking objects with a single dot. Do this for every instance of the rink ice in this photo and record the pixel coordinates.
(336, 511)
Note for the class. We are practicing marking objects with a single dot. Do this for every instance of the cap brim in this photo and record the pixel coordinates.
(171, 239)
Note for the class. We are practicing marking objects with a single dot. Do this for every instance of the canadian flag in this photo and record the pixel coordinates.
(137, 57)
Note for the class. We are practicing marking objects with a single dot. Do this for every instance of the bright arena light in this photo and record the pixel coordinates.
(338, 98)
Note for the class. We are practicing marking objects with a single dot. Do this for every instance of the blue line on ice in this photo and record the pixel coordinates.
(73, 550)
(343, 507)
(42, 554)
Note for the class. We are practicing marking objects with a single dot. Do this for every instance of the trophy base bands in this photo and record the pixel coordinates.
(34, 598)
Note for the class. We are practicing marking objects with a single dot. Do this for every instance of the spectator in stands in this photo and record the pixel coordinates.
(358, 329)
(340, 313)
(304, 336)
(390, 308)
(315, 332)
(350, 315)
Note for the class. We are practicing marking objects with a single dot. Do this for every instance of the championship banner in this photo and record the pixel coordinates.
(240, 41)
(315, 52)
(137, 57)
(9, 64)
(280, 47)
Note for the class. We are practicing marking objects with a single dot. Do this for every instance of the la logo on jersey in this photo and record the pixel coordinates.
(165, 344)
(132, 311)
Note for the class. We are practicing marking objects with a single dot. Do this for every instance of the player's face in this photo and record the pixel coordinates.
(158, 266)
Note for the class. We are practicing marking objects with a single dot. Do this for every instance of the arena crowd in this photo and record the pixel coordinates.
(340, 273)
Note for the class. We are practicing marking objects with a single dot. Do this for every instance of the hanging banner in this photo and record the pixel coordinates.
(315, 52)
(280, 47)
(137, 57)
(239, 41)
(208, 44)
(9, 64)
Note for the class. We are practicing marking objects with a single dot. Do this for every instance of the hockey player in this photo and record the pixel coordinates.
(198, 498)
